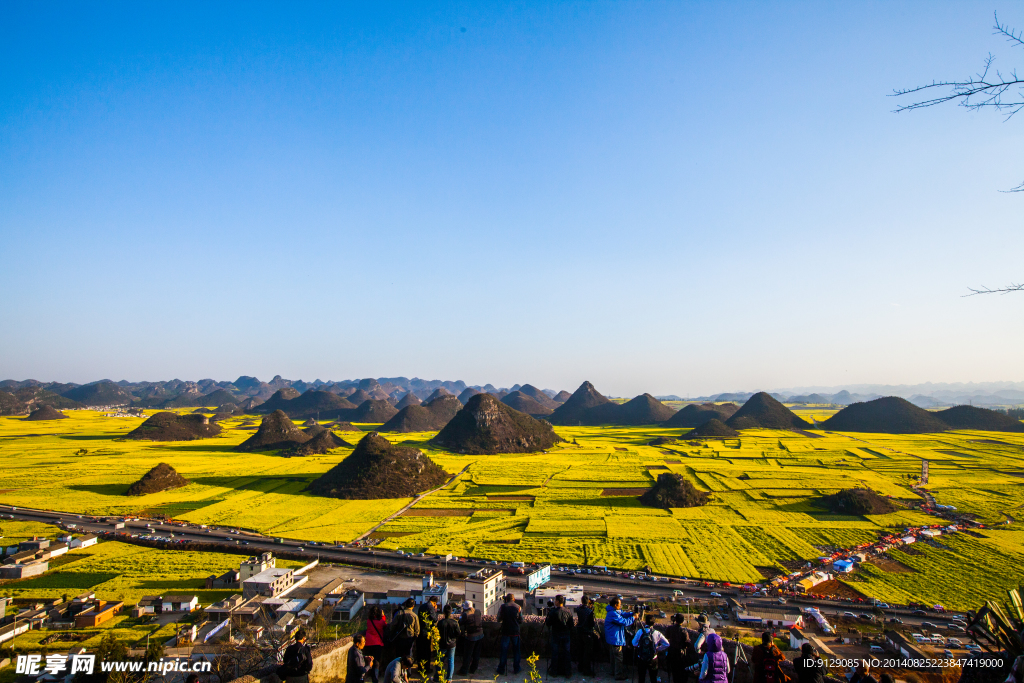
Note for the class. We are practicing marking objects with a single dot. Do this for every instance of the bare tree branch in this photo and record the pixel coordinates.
(999, 290)
(988, 89)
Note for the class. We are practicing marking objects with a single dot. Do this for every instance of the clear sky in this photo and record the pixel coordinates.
(667, 197)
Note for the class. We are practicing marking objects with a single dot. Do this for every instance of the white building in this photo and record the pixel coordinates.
(179, 603)
(272, 583)
(255, 565)
(485, 589)
(84, 541)
(537, 601)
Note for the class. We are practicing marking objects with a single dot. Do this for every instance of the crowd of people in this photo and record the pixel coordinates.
(629, 644)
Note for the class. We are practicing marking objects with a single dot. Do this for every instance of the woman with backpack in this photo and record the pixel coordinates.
(376, 627)
(647, 644)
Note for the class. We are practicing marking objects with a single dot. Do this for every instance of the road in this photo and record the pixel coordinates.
(249, 541)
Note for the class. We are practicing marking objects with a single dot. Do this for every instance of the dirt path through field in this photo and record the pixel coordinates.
(414, 501)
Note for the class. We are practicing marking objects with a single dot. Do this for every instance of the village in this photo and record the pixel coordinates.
(269, 603)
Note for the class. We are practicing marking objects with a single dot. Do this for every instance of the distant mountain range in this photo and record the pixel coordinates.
(928, 395)
(21, 396)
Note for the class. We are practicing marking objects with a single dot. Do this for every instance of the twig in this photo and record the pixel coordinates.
(999, 290)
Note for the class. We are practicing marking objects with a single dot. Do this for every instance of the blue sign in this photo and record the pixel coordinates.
(538, 578)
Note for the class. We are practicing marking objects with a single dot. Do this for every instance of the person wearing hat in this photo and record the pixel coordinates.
(704, 629)
(471, 625)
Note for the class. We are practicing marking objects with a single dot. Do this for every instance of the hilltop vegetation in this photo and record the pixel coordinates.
(46, 413)
(694, 415)
(486, 425)
(163, 477)
(276, 432)
(587, 406)
(858, 501)
(169, 426)
(674, 491)
(888, 415)
(972, 417)
(526, 404)
(428, 417)
(378, 469)
(712, 429)
(763, 411)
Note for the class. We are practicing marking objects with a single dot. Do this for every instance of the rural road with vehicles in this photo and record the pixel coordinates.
(249, 541)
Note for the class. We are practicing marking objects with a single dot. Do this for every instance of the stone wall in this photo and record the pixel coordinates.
(330, 664)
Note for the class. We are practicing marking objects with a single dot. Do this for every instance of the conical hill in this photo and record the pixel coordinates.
(276, 432)
(486, 425)
(377, 469)
(763, 411)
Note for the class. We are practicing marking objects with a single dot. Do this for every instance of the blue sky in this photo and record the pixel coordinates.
(663, 197)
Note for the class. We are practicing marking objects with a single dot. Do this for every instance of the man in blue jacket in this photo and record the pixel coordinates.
(615, 623)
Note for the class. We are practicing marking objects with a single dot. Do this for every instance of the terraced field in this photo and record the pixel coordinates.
(578, 502)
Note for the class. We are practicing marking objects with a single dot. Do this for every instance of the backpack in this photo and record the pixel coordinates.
(646, 652)
(771, 668)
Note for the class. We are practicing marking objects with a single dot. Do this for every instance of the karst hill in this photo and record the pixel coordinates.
(46, 413)
(313, 403)
(378, 469)
(428, 417)
(588, 407)
(761, 411)
(973, 417)
(526, 404)
(887, 415)
(712, 429)
(674, 491)
(410, 399)
(485, 425)
(163, 477)
(323, 441)
(858, 502)
(276, 432)
(167, 426)
(694, 415)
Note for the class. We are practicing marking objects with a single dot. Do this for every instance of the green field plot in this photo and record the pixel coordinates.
(578, 502)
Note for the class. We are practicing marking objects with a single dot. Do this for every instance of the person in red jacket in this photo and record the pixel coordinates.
(376, 627)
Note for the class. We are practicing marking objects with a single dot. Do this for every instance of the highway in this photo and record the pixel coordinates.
(251, 542)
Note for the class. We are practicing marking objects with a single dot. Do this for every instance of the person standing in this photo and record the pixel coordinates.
(560, 621)
(714, 667)
(359, 663)
(405, 628)
(448, 637)
(862, 674)
(647, 644)
(428, 613)
(376, 627)
(765, 660)
(471, 624)
(615, 623)
(510, 616)
(586, 635)
(809, 666)
(297, 661)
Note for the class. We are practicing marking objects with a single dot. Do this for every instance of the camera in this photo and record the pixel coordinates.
(641, 607)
